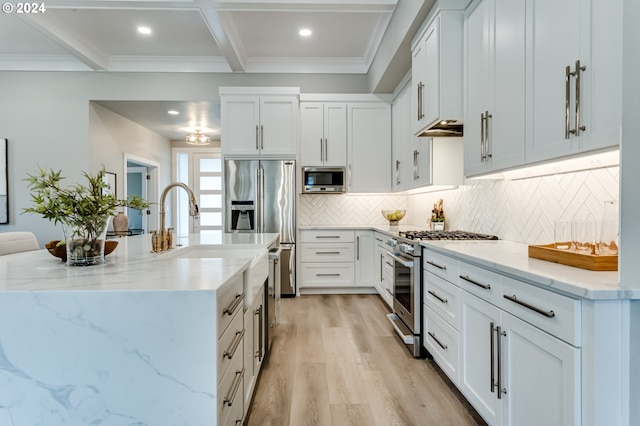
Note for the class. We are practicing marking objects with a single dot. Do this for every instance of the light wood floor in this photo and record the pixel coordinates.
(336, 361)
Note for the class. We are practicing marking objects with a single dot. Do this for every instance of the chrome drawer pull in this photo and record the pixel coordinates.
(514, 299)
(327, 252)
(389, 291)
(433, 293)
(484, 286)
(327, 275)
(327, 236)
(235, 386)
(234, 345)
(231, 309)
(444, 268)
(433, 336)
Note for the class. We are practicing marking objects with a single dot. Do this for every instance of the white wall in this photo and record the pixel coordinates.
(46, 115)
(111, 135)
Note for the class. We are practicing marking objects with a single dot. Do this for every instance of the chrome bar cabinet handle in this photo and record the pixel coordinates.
(257, 138)
(235, 386)
(358, 248)
(482, 156)
(499, 334)
(440, 298)
(397, 172)
(432, 263)
(567, 102)
(321, 150)
(433, 336)
(231, 309)
(514, 299)
(261, 136)
(492, 355)
(487, 153)
(579, 70)
(326, 150)
(467, 279)
(234, 345)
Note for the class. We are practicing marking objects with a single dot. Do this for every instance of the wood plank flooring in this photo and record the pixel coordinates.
(336, 361)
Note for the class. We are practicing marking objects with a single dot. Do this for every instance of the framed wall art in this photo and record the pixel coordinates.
(4, 183)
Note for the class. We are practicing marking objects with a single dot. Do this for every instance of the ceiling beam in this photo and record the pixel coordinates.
(224, 36)
(58, 32)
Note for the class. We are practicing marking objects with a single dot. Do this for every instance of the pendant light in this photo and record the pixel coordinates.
(197, 138)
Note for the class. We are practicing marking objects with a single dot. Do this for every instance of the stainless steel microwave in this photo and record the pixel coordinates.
(323, 180)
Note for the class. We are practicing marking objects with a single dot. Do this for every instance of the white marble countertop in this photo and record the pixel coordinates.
(199, 262)
(512, 259)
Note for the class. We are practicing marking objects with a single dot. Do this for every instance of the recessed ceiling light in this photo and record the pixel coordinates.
(173, 112)
(144, 30)
(305, 32)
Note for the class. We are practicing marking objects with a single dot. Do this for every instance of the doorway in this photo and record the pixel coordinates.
(141, 179)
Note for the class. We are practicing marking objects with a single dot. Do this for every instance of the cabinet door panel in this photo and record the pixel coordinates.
(278, 121)
(476, 362)
(335, 133)
(417, 80)
(369, 132)
(311, 134)
(507, 124)
(478, 78)
(240, 116)
(554, 44)
(364, 258)
(542, 377)
(431, 93)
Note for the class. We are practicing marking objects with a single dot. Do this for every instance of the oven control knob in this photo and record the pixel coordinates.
(406, 248)
(392, 242)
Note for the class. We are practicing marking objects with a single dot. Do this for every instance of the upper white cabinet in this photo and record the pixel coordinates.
(259, 124)
(494, 128)
(369, 147)
(575, 62)
(437, 65)
(421, 161)
(323, 134)
(543, 81)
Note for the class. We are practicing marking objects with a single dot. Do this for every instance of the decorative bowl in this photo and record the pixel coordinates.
(393, 216)
(61, 250)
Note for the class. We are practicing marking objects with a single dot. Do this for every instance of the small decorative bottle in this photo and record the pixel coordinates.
(121, 224)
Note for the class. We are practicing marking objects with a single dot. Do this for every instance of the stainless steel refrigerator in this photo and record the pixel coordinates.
(260, 197)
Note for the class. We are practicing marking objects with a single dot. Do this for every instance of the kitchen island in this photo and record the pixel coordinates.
(130, 342)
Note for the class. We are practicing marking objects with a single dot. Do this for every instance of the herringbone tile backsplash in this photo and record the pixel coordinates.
(519, 210)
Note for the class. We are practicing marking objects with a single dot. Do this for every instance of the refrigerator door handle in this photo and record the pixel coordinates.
(261, 189)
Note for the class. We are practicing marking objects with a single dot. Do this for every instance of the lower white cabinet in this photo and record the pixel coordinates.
(364, 259)
(381, 279)
(254, 345)
(340, 259)
(514, 373)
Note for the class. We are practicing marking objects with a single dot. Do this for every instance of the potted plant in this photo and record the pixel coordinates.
(83, 210)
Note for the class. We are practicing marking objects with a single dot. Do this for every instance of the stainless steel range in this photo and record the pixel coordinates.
(406, 253)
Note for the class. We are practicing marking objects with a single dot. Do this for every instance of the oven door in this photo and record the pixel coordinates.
(404, 291)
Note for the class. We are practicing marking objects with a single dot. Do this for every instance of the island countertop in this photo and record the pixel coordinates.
(198, 262)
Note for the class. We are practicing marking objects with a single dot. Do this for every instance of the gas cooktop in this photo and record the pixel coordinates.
(445, 235)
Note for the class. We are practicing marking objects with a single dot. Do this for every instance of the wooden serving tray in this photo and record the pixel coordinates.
(591, 262)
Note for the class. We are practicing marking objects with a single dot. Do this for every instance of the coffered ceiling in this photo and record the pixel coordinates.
(254, 36)
(232, 36)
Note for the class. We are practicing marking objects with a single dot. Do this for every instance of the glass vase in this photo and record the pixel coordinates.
(85, 241)
(608, 241)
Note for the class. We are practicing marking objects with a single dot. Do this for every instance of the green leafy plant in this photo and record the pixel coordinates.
(84, 208)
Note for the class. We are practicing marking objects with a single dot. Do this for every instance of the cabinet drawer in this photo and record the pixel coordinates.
(326, 236)
(481, 282)
(554, 313)
(235, 416)
(442, 297)
(442, 341)
(229, 302)
(327, 252)
(230, 344)
(381, 240)
(324, 275)
(230, 390)
(443, 266)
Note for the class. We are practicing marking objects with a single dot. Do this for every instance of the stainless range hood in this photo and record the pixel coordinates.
(443, 128)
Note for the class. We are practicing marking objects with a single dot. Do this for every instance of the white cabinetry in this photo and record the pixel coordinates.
(581, 110)
(259, 124)
(437, 65)
(524, 93)
(421, 161)
(369, 147)
(494, 125)
(323, 138)
(230, 365)
(327, 259)
(364, 259)
(512, 349)
(383, 269)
